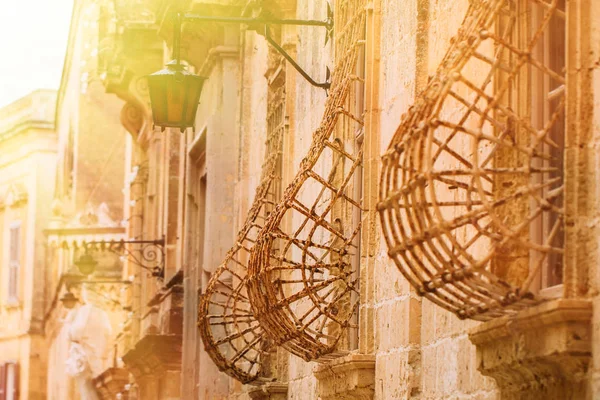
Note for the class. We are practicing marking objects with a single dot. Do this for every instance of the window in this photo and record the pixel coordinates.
(2, 381)
(277, 127)
(547, 94)
(193, 264)
(14, 262)
(542, 98)
(9, 381)
(350, 135)
(151, 223)
(69, 164)
(303, 267)
(471, 196)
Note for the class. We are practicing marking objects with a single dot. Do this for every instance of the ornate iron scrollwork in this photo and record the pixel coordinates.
(144, 253)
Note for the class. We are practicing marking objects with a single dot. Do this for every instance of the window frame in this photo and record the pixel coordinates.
(14, 261)
(12, 384)
(541, 85)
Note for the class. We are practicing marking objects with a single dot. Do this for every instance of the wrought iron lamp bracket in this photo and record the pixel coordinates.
(266, 21)
(146, 252)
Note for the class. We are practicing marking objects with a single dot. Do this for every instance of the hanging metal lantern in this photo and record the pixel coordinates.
(174, 96)
(69, 300)
(86, 264)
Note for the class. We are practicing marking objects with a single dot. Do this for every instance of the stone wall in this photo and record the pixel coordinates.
(27, 166)
(408, 347)
(421, 351)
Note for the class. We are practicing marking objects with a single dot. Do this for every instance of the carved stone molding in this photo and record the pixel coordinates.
(269, 391)
(542, 352)
(216, 54)
(111, 382)
(132, 118)
(169, 302)
(199, 39)
(15, 196)
(130, 50)
(153, 355)
(165, 311)
(131, 85)
(348, 378)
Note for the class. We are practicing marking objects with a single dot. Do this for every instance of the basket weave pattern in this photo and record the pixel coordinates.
(475, 169)
(303, 283)
(232, 336)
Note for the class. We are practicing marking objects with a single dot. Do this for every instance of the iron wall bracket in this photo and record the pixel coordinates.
(267, 22)
(149, 251)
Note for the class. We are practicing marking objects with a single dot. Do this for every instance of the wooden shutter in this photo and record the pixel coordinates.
(2, 381)
(17, 381)
(14, 261)
(14, 243)
(11, 381)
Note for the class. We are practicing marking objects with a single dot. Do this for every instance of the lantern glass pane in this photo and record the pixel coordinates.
(174, 96)
(158, 98)
(175, 99)
(195, 84)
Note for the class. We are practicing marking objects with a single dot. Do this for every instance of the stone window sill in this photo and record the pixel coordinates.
(269, 391)
(349, 377)
(12, 303)
(544, 349)
(552, 292)
(111, 382)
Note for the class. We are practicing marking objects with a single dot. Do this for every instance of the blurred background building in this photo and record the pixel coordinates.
(27, 168)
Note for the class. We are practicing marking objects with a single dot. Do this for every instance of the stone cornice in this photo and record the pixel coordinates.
(82, 230)
(269, 391)
(349, 377)
(547, 348)
(555, 312)
(75, 16)
(215, 55)
(132, 50)
(15, 196)
(24, 127)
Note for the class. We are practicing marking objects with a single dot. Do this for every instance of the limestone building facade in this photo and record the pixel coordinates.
(84, 309)
(28, 149)
(418, 222)
(485, 200)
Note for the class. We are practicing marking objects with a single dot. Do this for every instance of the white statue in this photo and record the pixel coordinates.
(89, 333)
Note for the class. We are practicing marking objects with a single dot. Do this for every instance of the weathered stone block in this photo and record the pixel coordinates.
(350, 377)
(541, 353)
(269, 391)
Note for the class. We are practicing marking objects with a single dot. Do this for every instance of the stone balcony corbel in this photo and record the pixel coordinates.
(155, 363)
(347, 378)
(130, 50)
(112, 382)
(541, 353)
(167, 305)
(155, 360)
